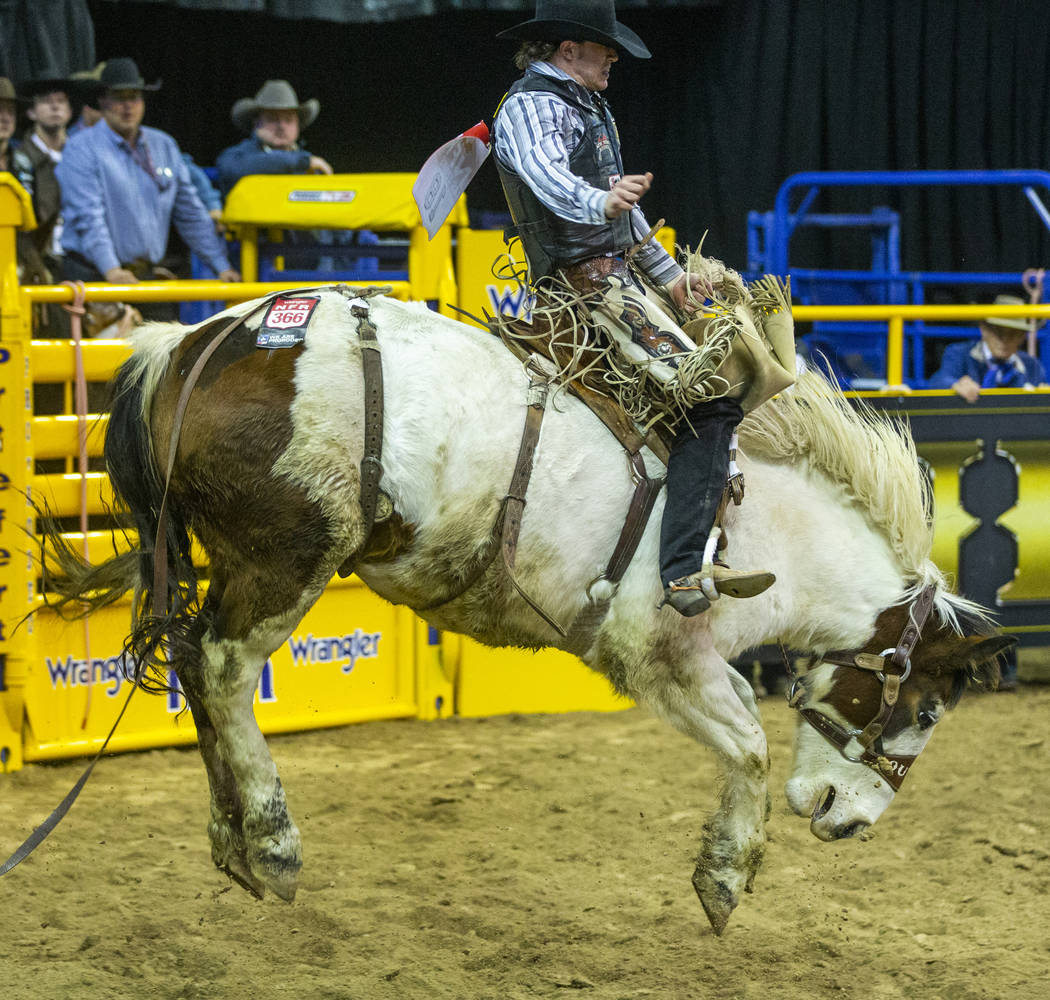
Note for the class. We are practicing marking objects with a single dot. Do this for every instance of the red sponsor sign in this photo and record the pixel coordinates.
(287, 314)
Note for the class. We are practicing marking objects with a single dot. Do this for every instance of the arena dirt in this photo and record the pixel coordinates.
(541, 856)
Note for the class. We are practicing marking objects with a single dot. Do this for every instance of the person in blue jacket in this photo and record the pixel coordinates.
(996, 361)
(274, 118)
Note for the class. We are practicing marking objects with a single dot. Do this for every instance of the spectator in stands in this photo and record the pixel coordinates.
(996, 361)
(275, 119)
(123, 185)
(85, 85)
(49, 111)
(31, 267)
(8, 120)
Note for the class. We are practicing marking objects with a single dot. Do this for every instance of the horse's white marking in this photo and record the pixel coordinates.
(861, 796)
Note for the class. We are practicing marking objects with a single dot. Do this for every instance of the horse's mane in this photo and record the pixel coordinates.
(872, 458)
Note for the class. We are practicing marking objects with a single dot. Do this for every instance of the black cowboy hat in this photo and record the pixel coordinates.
(122, 73)
(84, 85)
(47, 81)
(578, 20)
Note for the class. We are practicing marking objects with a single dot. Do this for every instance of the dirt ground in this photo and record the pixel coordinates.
(540, 856)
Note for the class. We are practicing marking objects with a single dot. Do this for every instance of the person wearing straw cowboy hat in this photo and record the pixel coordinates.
(84, 91)
(275, 118)
(996, 361)
(124, 185)
(575, 210)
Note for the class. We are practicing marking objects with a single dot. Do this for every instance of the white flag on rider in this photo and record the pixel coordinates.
(446, 174)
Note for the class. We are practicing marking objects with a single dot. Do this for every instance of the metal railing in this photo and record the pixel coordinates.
(785, 221)
(895, 316)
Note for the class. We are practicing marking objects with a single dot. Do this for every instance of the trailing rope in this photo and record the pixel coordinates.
(76, 314)
(40, 834)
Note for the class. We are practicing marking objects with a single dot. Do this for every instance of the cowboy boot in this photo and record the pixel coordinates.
(692, 594)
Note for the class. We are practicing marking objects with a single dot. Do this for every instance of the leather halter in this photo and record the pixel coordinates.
(892, 667)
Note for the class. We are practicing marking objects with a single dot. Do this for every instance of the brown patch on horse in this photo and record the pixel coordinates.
(944, 664)
(255, 527)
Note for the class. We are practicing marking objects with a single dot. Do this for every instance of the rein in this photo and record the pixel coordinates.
(892, 667)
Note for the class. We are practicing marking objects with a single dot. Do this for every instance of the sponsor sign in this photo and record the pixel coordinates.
(107, 672)
(322, 196)
(345, 649)
(285, 322)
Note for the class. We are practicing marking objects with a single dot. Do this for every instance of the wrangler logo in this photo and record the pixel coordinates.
(516, 302)
(333, 649)
(105, 672)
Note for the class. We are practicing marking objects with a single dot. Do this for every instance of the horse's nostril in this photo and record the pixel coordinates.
(828, 801)
(850, 830)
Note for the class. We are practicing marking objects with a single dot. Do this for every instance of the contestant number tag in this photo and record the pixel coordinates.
(286, 322)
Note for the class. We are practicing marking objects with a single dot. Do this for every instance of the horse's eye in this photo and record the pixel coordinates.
(926, 719)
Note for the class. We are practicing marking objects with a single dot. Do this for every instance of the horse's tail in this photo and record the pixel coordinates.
(78, 587)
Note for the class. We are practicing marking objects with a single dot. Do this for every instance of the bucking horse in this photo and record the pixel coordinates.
(379, 437)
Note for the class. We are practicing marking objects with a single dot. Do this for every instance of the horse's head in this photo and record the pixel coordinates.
(867, 714)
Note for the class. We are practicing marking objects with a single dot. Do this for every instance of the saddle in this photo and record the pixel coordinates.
(524, 340)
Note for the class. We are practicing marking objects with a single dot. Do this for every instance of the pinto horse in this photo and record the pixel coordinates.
(265, 473)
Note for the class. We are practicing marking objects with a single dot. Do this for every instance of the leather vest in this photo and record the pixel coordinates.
(550, 241)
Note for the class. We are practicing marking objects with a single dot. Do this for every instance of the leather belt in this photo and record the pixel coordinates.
(589, 275)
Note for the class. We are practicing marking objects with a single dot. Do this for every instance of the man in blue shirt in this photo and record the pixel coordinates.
(996, 361)
(275, 119)
(123, 186)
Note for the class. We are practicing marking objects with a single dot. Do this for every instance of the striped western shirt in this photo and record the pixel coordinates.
(535, 133)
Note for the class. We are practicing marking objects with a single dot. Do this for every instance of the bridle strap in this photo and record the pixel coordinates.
(900, 660)
(892, 667)
(917, 614)
(892, 767)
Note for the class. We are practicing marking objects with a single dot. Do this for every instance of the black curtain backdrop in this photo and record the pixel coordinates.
(41, 35)
(352, 11)
(737, 97)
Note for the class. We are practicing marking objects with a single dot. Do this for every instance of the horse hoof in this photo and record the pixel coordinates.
(278, 873)
(243, 878)
(716, 898)
(285, 890)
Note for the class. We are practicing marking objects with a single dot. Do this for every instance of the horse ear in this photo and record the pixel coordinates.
(982, 658)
